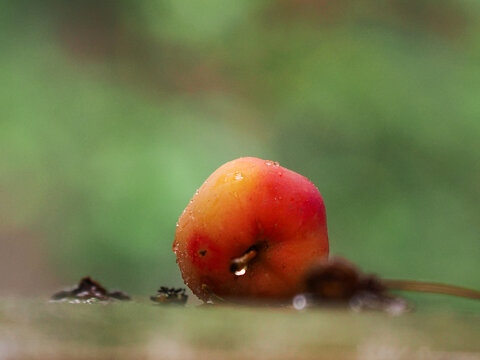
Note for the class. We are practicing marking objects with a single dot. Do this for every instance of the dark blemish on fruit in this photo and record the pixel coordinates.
(89, 291)
(200, 242)
(168, 296)
(202, 252)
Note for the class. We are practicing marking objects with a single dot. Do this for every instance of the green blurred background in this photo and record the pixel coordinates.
(112, 113)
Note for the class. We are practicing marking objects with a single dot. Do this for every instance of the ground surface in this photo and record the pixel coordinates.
(36, 329)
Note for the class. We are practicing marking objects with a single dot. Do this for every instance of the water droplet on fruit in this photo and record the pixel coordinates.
(270, 163)
(238, 176)
(241, 271)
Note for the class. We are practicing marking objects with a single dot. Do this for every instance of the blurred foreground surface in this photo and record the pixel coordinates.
(112, 114)
(35, 329)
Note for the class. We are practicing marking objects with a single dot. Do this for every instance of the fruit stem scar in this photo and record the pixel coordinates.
(431, 287)
(239, 265)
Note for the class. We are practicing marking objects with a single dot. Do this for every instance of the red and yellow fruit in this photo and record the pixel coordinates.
(251, 204)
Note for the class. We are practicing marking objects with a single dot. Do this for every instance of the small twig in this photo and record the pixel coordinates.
(241, 262)
(431, 287)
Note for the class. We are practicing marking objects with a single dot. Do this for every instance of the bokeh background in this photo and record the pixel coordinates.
(112, 114)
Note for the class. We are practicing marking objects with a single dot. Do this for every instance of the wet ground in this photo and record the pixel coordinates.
(37, 329)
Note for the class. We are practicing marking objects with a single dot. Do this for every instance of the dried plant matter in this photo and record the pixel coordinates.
(87, 291)
(166, 295)
(337, 281)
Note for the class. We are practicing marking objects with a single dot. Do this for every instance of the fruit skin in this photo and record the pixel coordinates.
(251, 202)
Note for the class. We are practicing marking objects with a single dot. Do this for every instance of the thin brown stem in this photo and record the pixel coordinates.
(241, 262)
(431, 287)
